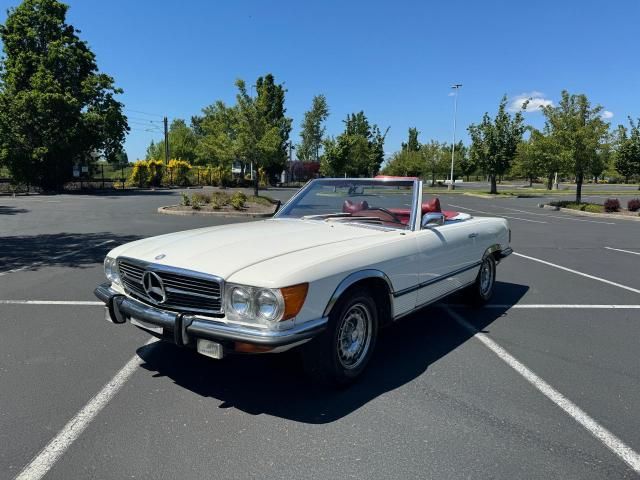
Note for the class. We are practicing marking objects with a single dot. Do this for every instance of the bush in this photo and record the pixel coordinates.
(185, 200)
(201, 198)
(611, 205)
(156, 169)
(633, 205)
(177, 172)
(139, 174)
(237, 200)
(219, 200)
(593, 208)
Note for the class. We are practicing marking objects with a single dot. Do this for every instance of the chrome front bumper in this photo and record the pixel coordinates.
(185, 329)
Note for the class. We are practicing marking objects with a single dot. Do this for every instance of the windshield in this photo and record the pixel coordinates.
(383, 202)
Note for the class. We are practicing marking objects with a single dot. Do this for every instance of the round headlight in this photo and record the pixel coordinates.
(240, 301)
(110, 270)
(268, 305)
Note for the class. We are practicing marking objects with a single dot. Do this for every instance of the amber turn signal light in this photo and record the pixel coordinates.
(294, 297)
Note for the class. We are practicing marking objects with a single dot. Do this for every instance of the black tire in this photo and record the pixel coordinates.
(327, 358)
(481, 291)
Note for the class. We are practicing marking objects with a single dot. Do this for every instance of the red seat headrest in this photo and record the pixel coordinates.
(353, 207)
(432, 205)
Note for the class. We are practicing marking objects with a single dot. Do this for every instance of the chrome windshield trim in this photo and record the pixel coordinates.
(415, 219)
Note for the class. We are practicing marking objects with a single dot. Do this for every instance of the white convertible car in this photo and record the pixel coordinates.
(341, 259)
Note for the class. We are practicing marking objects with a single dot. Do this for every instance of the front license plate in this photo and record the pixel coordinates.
(147, 326)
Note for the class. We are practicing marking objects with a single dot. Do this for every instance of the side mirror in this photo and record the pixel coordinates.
(432, 219)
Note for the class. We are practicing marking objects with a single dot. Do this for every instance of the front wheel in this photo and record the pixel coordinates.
(341, 353)
(480, 292)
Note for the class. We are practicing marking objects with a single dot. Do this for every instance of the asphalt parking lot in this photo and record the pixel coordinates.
(542, 383)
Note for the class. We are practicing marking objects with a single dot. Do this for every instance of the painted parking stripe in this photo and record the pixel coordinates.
(563, 217)
(617, 446)
(495, 214)
(620, 250)
(58, 257)
(559, 306)
(48, 302)
(49, 455)
(582, 274)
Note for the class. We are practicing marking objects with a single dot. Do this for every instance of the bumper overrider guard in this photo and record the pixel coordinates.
(186, 328)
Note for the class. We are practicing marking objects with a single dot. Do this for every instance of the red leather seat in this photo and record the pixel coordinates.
(433, 205)
(352, 207)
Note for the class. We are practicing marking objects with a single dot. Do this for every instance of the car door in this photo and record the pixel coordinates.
(447, 259)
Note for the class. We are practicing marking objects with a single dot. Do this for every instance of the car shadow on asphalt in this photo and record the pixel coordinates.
(76, 250)
(277, 385)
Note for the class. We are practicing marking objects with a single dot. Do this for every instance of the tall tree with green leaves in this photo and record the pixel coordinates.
(412, 145)
(216, 130)
(579, 131)
(358, 151)
(313, 130)
(56, 108)
(495, 142)
(270, 107)
(627, 154)
(258, 140)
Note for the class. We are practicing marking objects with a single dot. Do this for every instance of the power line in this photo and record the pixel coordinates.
(144, 113)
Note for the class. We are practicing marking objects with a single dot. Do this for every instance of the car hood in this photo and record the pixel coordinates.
(227, 249)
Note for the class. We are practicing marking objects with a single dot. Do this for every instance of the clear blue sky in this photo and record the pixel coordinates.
(395, 59)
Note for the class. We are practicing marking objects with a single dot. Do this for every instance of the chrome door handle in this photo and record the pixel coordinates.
(473, 235)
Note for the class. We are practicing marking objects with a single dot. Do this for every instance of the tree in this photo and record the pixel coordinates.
(627, 155)
(182, 143)
(412, 144)
(358, 151)
(494, 142)
(270, 107)
(258, 140)
(313, 130)
(56, 108)
(216, 131)
(578, 130)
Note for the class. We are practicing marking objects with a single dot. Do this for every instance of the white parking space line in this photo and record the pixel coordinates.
(494, 214)
(58, 257)
(620, 250)
(59, 444)
(559, 306)
(49, 302)
(617, 446)
(563, 217)
(582, 274)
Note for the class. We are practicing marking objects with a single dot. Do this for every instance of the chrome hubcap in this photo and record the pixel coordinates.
(486, 276)
(354, 336)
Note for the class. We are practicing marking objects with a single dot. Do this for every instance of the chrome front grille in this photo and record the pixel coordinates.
(186, 290)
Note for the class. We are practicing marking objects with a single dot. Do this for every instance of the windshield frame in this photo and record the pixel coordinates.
(414, 219)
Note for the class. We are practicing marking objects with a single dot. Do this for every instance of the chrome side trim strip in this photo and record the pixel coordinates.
(434, 280)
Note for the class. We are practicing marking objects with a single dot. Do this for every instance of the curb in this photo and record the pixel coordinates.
(166, 211)
(592, 214)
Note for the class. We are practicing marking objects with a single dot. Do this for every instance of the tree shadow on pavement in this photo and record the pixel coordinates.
(60, 249)
(4, 210)
(276, 384)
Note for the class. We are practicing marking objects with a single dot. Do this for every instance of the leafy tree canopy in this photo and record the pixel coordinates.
(313, 130)
(56, 108)
(495, 141)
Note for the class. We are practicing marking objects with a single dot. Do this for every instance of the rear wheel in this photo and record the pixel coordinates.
(482, 289)
(342, 352)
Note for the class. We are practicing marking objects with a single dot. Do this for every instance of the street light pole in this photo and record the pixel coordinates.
(453, 146)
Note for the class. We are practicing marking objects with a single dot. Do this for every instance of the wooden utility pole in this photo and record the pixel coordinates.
(166, 141)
